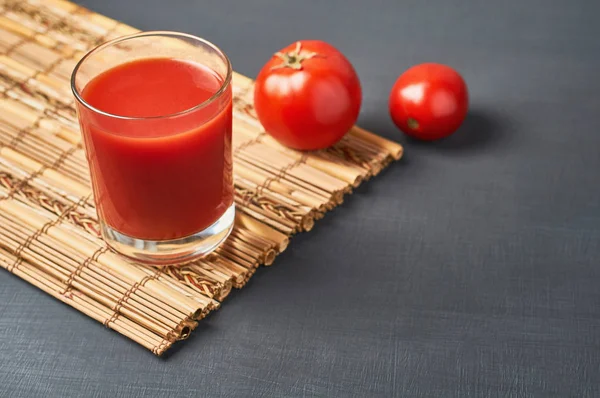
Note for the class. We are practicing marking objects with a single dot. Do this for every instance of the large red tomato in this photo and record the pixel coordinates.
(429, 101)
(307, 96)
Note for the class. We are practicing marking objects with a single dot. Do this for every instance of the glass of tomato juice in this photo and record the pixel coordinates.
(155, 110)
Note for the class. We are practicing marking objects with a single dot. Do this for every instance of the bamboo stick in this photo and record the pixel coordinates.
(276, 212)
(199, 280)
(281, 241)
(94, 310)
(267, 249)
(283, 183)
(236, 257)
(287, 174)
(315, 200)
(248, 249)
(109, 260)
(46, 156)
(346, 172)
(8, 40)
(65, 250)
(276, 197)
(394, 148)
(294, 168)
(105, 298)
(53, 263)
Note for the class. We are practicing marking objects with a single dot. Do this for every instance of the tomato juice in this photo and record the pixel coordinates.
(158, 140)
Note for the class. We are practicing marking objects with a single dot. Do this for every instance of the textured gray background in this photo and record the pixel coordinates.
(470, 269)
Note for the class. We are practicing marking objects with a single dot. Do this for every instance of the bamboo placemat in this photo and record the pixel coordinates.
(48, 229)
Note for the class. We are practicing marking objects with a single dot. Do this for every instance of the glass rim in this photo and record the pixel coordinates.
(217, 94)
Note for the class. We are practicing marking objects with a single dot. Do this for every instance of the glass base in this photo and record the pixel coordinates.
(175, 251)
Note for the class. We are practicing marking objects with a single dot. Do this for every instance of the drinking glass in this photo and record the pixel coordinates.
(162, 183)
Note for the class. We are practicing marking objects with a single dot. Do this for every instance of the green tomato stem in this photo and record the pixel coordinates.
(293, 59)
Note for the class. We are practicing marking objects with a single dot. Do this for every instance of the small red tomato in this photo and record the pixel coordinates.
(307, 96)
(429, 101)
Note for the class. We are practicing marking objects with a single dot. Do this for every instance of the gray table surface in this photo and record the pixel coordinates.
(469, 269)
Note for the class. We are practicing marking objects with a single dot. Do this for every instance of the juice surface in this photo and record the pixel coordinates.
(159, 177)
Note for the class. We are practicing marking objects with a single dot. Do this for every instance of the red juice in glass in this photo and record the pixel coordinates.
(157, 131)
